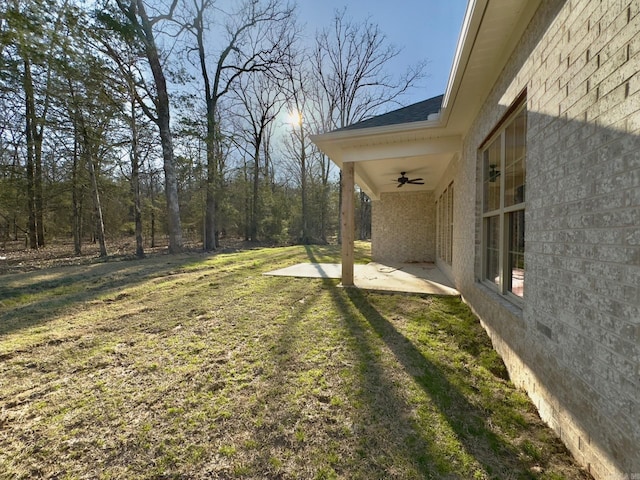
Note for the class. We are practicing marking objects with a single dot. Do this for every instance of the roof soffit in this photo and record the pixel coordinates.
(494, 30)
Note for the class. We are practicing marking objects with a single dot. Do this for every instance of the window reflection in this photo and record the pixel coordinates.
(515, 136)
(503, 204)
(493, 250)
(492, 176)
(516, 252)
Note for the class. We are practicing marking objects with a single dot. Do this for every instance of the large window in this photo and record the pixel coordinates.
(444, 224)
(503, 204)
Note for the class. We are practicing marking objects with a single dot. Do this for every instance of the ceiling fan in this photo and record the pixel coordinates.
(413, 181)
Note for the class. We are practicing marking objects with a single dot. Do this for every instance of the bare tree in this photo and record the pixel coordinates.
(261, 103)
(257, 36)
(143, 25)
(350, 64)
(88, 137)
(132, 80)
(33, 38)
(34, 134)
(299, 143)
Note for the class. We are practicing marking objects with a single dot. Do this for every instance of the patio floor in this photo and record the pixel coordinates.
(402, 278)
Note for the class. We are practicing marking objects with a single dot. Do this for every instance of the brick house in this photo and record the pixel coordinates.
(542, 94)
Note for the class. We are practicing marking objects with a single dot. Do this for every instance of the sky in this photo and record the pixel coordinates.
(423, 29)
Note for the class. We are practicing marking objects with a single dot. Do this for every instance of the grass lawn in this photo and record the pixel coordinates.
(197, 366)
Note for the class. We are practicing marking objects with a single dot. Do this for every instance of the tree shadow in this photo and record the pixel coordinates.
(313, 250)
(469, 423)
(332, 253)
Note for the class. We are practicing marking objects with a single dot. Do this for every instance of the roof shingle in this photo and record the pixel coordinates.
(416, 112)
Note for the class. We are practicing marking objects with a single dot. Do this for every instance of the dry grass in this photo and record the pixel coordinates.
(198, 366)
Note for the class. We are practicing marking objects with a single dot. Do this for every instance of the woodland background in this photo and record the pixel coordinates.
(180, 121)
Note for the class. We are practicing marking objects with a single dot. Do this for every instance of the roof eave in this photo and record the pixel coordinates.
(331, 143)
(470, 25)
(458, 112)
(381, 130)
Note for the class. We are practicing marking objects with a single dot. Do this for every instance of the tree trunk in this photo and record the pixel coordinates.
(135, 182)
(38, 200)
(247, 203)
(212, 178)
(152, 194)
(29, 131)
(137, 214)
(171, 187)
(256, 192)
(76, 199)
(209, 242)
(163, 121)
(303, 190)
(210, 213)
(97, 208)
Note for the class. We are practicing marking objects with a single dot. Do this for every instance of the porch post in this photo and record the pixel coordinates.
(347, 216)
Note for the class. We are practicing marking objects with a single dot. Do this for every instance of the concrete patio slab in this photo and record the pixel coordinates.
(423, 278)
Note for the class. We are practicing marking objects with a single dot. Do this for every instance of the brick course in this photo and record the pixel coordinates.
(404, 227)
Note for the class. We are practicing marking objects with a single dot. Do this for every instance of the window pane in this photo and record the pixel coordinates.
(492, 254)
(450, 232)
(492, 176)
(520, 125)
(514, 183)
(516, 252)
(444, 227)
(438, 228)
(503, 204)
(515, 138)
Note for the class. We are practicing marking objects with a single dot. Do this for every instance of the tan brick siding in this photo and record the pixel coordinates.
(575, 347)
(403, 227)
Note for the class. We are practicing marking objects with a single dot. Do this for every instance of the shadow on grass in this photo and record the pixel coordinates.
(332, 253)
(25, 303)
(40, 301)
(468, 422)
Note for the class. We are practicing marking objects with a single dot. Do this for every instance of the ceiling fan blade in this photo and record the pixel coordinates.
(416, 180)
(400, 184)
(416, 183)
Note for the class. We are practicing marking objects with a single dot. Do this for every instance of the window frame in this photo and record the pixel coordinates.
(503, 213)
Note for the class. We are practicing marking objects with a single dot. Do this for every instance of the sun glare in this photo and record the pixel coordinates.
(294, 118)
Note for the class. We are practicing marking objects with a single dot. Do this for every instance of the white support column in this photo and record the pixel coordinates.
(347, 216)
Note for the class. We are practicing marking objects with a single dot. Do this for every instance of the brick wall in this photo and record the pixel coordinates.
(575, 346)
(404, 227)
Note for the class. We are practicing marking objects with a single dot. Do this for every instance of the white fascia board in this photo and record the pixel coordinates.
(431, 146)
(470, 25)
(356, 133)
(334, 144)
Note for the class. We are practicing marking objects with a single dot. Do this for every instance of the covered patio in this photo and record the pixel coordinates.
(399, 160)
(414, 278)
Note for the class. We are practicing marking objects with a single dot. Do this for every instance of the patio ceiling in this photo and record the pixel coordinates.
(380, 162)
(490, 32)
